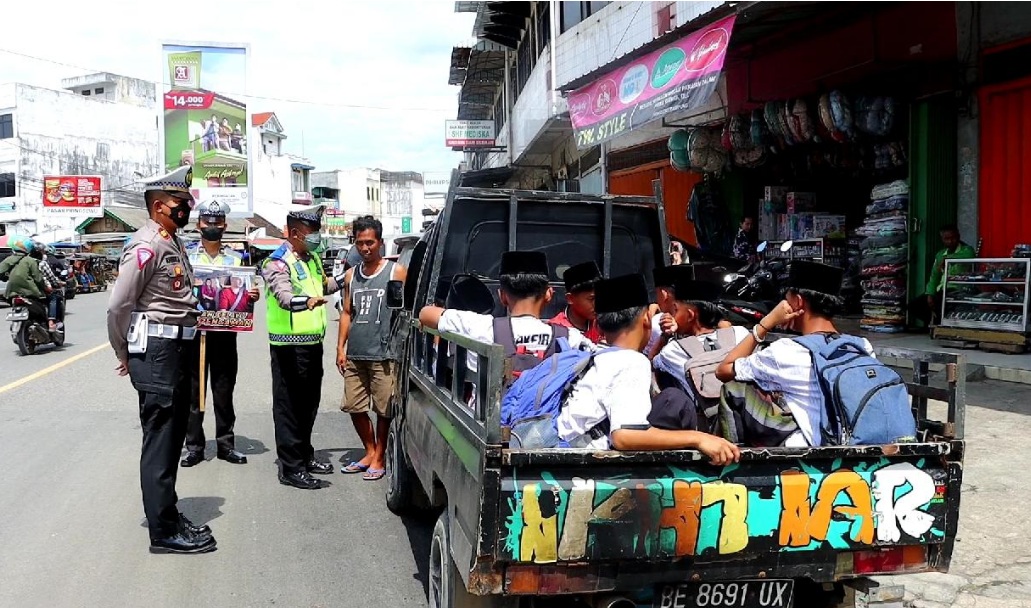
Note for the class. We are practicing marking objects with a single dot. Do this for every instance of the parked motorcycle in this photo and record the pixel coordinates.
(752, 292)
(30, 326)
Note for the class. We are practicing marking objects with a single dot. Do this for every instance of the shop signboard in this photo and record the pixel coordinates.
(469, 133)
(436, 183)
(406, 224)
(680, 76)
(79, 195)
(206, 122)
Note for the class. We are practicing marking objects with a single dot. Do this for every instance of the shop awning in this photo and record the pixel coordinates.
(480, 70)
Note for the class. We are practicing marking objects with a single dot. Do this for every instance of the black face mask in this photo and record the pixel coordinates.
(212, 233)
(181, 215)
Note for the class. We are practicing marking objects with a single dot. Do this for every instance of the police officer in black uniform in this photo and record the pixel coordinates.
(152, 326)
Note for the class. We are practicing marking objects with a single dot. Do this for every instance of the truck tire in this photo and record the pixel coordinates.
(404, 494)
(446, 589)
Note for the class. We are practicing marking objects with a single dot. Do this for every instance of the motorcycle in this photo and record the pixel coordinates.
(752, 292)
(30, 326)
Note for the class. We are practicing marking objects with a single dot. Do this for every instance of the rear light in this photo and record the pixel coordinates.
(19, 301)
(556, 580)
(889, 560)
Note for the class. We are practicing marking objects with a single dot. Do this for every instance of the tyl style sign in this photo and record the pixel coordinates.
(678, 77)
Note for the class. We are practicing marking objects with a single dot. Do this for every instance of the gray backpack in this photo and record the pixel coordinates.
(700, 370)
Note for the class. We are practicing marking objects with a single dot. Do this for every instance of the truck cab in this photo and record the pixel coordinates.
(783, 527)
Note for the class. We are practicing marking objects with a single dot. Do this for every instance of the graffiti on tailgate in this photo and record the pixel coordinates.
(808, 507)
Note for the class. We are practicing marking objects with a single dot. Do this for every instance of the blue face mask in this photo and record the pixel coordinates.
(313, 242)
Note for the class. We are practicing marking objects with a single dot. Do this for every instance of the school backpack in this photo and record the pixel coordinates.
(865, 401)
(530, 408)
(517, 358)
(700, 370)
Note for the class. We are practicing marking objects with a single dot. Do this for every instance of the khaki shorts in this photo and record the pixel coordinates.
(368, 385)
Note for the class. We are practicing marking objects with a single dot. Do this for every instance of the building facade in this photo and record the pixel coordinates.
(102, 124)
(281, 181)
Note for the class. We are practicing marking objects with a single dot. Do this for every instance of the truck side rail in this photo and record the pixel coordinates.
(429, 353)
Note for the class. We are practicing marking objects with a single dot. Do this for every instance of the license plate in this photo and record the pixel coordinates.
(18, 316)
(772, 593)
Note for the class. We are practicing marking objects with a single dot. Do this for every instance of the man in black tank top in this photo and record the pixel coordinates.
(365, 354)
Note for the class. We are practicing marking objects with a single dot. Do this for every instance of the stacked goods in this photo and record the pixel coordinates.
(851, 289)
(885, 255)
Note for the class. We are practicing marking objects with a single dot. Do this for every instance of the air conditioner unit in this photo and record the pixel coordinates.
(567, 185)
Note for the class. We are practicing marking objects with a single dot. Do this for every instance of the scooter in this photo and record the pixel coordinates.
(751, 293)
(30, 326)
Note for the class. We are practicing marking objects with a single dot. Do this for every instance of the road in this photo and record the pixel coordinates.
(72, 531)
(72, 527)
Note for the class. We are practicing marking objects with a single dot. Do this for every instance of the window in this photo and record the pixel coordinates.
(6, 126)
(499, 114)
(543, 27)
(525, 60)
(86, 92)
(99, 90)
(666, 19)
(368, 193)
(575, 12)
(8, 185)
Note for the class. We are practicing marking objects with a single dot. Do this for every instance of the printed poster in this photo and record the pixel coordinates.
(206, 124)
(222, 296)
(78, 195)
(677, 77)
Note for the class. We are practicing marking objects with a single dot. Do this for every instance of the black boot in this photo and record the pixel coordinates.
(182, 543)
(232, 457)
(192, 458)
(188, 526)
(319, 468)
(301, 481)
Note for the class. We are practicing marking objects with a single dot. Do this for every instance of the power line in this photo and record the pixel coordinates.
(239, 94)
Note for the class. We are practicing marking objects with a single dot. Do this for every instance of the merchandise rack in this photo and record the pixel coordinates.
(986, 293)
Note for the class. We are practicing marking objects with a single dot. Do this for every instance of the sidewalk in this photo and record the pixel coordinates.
(980, 364)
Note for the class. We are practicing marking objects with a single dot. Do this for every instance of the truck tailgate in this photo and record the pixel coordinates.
(573, 506)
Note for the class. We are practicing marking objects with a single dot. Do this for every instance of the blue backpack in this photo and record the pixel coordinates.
(531, 406)
(866, 402)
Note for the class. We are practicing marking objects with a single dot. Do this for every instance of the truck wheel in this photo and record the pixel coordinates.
(404, 495)
(446, 589)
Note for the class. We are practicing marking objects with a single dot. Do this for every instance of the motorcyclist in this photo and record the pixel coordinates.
(54, 288)
(22, 272)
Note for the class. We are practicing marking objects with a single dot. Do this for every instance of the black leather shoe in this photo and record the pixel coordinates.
(319, 468)
(189, 526)
(192, 459)
(301, 481)
(182, 543)
(232, 457)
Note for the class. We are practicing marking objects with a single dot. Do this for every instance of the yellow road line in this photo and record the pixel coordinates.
(51, 369)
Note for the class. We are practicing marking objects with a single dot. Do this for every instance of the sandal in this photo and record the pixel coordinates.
(374, 474)
(354, 467)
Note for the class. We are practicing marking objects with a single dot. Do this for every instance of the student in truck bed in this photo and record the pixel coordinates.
(789, 404)
(609, 406)
(661, 311)
(579, 312)
(525, 294)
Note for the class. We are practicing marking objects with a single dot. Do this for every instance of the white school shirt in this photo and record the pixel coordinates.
(787, 366)
(617, 387)
(656, 333)
(528, 331)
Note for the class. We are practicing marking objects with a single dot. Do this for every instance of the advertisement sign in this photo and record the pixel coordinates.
(436, 182)
(678, 77)
(206, 123)
(469, 133)
(222, 294)
(72, 195)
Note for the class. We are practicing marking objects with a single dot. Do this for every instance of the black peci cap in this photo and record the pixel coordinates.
(620, 293)
(813, 276)
(524, 262)
(582, 276)
(666, 276)
(689, 290)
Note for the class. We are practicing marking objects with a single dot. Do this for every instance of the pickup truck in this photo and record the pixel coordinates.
(783, 527)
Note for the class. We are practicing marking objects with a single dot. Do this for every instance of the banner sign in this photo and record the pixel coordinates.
(469, 133)
(678, 77)
(436, 182)
(73, 195)
(222, 292)
(206, 124)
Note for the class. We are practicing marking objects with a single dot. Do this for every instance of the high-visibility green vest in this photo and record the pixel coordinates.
(306, 326)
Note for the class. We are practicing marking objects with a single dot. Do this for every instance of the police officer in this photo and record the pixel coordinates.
(151, 323)
(222, 360)
(297, 286)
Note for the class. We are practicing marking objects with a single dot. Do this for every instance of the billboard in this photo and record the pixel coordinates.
(436, 182)
(469, 133)
(206, 122)
(78, 195)
(680, 76)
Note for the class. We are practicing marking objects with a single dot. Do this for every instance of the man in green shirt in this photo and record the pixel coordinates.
(954, 249)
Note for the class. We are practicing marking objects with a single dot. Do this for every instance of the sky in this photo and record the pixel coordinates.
(355, 84)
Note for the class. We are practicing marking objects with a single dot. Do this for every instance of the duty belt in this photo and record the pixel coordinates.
(171, 332)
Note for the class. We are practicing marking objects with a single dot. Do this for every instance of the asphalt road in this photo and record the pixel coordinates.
(72, 533)
(72, 530)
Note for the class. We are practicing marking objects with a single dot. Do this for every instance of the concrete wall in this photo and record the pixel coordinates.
(61, 133)
(980, 26)
(272, 185)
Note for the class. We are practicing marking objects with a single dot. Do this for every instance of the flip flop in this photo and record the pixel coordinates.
(374, 474)
(354, 467)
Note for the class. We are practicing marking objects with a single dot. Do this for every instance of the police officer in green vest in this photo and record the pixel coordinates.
(297, 289)
(222, 360)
